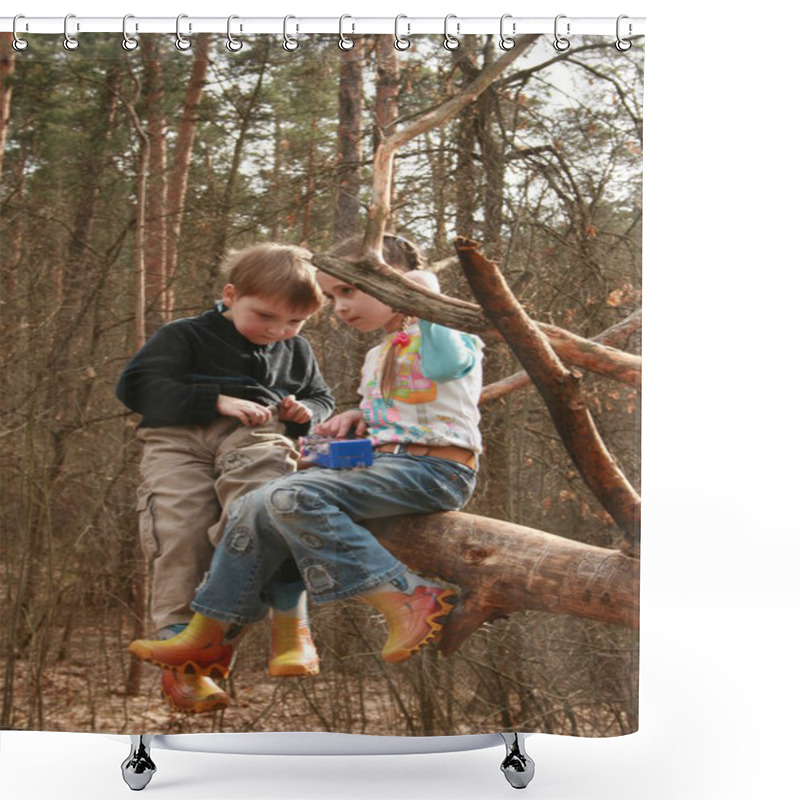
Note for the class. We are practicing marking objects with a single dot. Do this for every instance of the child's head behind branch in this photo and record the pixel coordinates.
(399, 253)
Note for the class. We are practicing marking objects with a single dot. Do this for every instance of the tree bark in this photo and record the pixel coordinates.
(560, 390)
(502, 568)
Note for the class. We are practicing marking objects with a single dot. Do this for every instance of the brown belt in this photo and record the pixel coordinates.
(450, 452)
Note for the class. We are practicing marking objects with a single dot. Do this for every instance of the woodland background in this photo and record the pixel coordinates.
(544, 170)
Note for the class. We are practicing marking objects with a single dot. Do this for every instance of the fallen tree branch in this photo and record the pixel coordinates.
(502, 568)
(559, 388)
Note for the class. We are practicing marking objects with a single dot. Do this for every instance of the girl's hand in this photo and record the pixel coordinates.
(246, 411)
(425, 277)
(291, 410)
(339, 425)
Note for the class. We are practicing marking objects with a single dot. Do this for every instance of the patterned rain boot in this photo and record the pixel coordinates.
(414, 615)
(189, 694)
(292, 650)
(204, 647)
(192, 694)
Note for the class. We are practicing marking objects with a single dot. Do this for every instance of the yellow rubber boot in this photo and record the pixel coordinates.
(292, 650)
(202, 648)
(192, 694)
(414, 618)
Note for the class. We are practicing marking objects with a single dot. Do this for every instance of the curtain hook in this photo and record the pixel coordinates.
(181, 42)
(18, 43)
(233, 44)
(450, 42)
(561, 43)
(289, 42)
(507, 42)
(401, 42)
(70, 42)
(623, 44)
(129, 42)
(344, 42)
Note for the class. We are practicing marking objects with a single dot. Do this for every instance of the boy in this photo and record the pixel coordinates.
(219, 394)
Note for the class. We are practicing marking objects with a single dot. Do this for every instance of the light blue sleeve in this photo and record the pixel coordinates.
(446, 355)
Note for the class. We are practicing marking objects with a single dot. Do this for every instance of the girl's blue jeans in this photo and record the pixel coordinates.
(312, 516)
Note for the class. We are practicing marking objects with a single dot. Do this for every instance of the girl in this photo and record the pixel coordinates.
(420, 389)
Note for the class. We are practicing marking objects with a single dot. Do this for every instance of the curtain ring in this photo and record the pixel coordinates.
(401, 42)
(507, 42)
(181, 42)
(289, 42)
(70, 42)
(561, 43)
(450, 42)
(18, 43)
(623, 44)
(344, 42)
(233, 44)
(129, 42)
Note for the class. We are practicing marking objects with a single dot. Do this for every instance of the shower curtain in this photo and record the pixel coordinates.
(128, 173)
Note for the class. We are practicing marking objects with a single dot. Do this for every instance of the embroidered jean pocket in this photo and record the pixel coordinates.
(146, 511)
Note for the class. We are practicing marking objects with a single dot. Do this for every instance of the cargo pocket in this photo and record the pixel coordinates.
(145, 509)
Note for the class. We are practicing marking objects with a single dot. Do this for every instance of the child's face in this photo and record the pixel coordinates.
(357, 309)
(262, 319)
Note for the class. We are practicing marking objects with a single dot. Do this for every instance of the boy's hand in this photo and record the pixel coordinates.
(339, 425)
(291, 410)
(246, 411)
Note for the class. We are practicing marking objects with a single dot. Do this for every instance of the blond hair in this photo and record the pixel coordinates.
(276, 270)
(404, 256)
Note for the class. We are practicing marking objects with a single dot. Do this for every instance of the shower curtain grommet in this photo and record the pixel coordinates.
(507, 42)
(17, 42)
(70, 42)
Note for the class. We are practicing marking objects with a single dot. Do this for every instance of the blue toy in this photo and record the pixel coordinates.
(336, 453)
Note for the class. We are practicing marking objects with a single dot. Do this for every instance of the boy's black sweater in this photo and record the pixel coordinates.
(176, 378)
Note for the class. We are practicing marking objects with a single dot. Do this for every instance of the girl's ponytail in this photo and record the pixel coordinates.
(389, 364)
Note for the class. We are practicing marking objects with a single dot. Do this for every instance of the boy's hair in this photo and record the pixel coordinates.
(402, 255)
(277, 270)
(399, 253)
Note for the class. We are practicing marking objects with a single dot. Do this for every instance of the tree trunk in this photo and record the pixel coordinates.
(348, 146)
(502, 568)
(155, 244)
(179, 176)
(386, 106)
(8, 63)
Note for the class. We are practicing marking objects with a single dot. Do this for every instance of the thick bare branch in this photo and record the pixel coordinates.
(560, 390)
(391, 287)
(502, 568)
